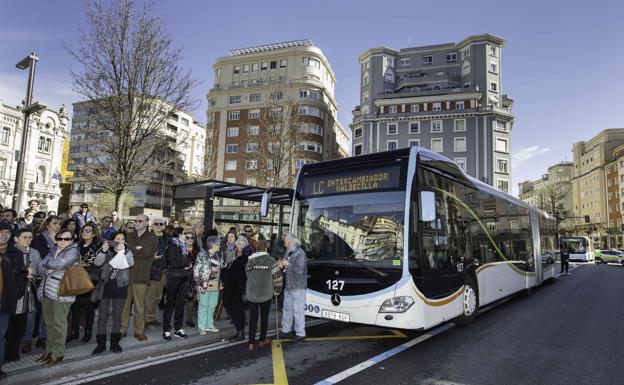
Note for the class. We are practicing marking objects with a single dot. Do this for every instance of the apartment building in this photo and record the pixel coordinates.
(447, 97)
(183, 162)
(595, 166)
(244, 82)
(44, 152)
(554, 188)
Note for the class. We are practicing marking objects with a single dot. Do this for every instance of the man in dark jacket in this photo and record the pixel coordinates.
(12, 283)
(83, 216)
(158, 275)
(144, 247)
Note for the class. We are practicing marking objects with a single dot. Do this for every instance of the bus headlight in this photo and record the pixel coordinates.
(396, 305)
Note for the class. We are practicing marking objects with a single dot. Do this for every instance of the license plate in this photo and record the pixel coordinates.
(344, 317)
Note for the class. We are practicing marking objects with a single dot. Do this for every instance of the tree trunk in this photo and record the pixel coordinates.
(119, 203)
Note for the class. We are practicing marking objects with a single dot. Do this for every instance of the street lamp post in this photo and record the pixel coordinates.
(29, 108)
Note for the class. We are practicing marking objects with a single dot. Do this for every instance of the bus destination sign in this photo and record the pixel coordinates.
(353, 181)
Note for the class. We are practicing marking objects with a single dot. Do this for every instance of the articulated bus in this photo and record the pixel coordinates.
(406, 239)
(580, 248)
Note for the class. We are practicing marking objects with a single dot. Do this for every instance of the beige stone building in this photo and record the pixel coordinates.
(244, 82)
(590, 184)
(553, 189)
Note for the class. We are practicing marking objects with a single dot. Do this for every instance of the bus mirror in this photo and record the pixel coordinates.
(427, 206)
(264, 204)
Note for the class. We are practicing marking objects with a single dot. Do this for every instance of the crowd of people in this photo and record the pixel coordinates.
(135, 267)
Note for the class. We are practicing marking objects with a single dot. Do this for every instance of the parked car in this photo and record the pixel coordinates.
(607, 256)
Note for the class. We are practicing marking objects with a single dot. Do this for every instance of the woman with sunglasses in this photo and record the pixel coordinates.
(116, 259)
(56, 308)
(88, 245)
(179, 271)
(192, 244)
(22, 322)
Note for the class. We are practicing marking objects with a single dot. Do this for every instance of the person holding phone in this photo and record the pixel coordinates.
(115, 260)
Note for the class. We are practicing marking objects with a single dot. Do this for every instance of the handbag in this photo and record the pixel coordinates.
(75, 281)
(214, 285)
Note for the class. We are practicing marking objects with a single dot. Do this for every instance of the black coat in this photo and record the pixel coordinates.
(175, 262)
(234, 279)
(14, 280)
(40, 243)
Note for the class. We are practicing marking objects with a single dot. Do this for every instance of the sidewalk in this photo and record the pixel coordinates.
(78, 357)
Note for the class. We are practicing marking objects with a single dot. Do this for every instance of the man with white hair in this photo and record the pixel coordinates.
(295, 267)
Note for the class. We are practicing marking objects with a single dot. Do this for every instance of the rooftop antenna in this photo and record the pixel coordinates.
(409, 41)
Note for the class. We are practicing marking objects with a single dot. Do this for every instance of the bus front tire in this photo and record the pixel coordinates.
(470, 302)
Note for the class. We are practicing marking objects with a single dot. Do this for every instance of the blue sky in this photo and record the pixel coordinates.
(562, 62)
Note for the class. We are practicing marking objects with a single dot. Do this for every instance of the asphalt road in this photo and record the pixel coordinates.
(569, 332)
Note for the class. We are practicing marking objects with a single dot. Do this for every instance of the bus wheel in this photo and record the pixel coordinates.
(471, 302)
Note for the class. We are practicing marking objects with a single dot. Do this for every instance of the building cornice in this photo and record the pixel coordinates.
(377, 51)
(486, 37)
(428, 98)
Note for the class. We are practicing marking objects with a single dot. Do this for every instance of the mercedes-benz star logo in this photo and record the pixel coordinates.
(335, 299)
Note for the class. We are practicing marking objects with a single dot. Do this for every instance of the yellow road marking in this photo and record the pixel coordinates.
(279, 365)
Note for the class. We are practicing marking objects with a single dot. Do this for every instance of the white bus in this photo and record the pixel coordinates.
(405, 239)
(580, 248)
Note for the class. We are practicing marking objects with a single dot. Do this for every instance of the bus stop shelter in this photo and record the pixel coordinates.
(209, 189)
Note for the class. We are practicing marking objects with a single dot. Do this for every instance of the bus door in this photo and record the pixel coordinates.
(441, 258)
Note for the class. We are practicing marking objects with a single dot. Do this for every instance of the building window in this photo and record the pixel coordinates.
(264, 65)
(254, 67)
(437, 106)
(5, 134)
(500, 125)
(255, 97)
(459, 105)
(427, 59)
(231, 148)
(501, 145)
(273, 65)
(269, 164)
(414, 127)
(466, 68)
(233, 115)
(253, 130)
(493, 87)
(451, 57)
(437, 145)
(459, 144)
(392, 145)
(237, 69)
(246, 68)
(436, 126)
(414, 142)
(503, 185)
(230, 165)
(493, 51)
(460, 124)
(465, 53)
(3, 163)
(310, 111)
(461, 162)
(365, 78)
(235, 99)
(41, 175)
(392, 129)
(251, 164)
(357, 149)
(404, 62)
(252, 147)
(232, 131)
(45, 144)
(254, 114)
(493, 66)
(283, 63)
(357, 133)
(414, 108)
(392, 109)
(501, 165)
(365, 96)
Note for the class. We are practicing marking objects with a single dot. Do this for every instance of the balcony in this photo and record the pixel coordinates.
(495, 109)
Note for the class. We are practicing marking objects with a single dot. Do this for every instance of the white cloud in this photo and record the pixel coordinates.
(522, 155)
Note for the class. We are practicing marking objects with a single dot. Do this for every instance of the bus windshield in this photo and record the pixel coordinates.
(575, 245)
(363, 227)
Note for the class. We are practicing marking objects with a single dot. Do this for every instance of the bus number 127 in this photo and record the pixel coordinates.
(335, 284)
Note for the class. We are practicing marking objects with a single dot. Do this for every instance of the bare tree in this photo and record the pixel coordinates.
(130, 75)
(278, 137)
(551, 198)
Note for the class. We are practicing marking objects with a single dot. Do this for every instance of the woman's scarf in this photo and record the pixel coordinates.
(182, 245)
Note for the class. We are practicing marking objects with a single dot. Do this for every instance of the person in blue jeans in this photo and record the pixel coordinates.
(206, 273)
(295, 268)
